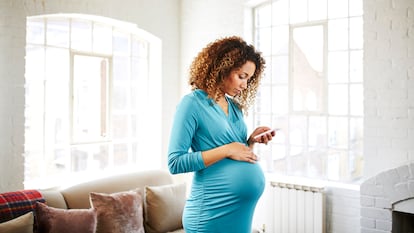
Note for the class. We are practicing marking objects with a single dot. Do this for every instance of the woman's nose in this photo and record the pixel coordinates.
(244, 85)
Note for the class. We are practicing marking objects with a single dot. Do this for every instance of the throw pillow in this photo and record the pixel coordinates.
(118, 212)
(21, 224)
(164, 207)
(54, 220)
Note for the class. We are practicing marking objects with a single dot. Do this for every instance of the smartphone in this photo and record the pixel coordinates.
(266, 132)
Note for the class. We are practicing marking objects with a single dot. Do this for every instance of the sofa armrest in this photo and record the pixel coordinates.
(54, 198)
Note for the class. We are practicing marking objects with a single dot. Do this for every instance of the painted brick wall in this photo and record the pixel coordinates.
(12, 41)
(389, 84)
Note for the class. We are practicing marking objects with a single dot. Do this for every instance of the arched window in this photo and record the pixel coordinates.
(313, 89)
(93, 99)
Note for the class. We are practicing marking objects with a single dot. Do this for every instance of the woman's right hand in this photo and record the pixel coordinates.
(241, 152)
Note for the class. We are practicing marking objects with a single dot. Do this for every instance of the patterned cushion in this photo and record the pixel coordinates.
(15, 204)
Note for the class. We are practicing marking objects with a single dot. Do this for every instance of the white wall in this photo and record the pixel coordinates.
(158, 17)
(388, 84)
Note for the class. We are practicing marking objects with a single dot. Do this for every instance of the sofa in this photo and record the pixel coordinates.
(141, 202)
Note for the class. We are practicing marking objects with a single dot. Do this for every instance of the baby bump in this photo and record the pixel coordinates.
(234, 179)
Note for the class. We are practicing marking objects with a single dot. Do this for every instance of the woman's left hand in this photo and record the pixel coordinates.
(264, 138)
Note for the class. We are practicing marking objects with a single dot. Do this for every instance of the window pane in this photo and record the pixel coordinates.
(355, 63)
(121, 43)
(298, 164)
(280, 14)
(263, 119)
(317, 9)
(89, 102)
(309, 42)
(81, 35)
(264, 38)
(356, 99)
(263, 16)
(79, 158)
(338, 132)
(280, 41)
(337, 165)
(356, 134)
(119, 98)
(88, 157)
(263, 102)
(298, 11)
(338, 67)
(265, 158)
(338, 99)
(35, 64)
(58, 32)
(57, 112)
(355, 7)
(280, 100)
(120, 70)
(308, 81)
(120, 126)
(57, 64)
(280, 69)
(337, 9)
(355, 33)
(120, 154)
(267, 73)
(317, 132)
(35, 33)
(298, 131)
(139, 48)
(338, 34)
(102, 38)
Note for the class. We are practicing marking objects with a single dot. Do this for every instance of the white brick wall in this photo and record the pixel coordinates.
(380, 193)
(388, 84)
(12, 41)
(342, 210)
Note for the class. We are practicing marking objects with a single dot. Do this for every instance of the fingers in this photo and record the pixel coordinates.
(252, 158)
(264, 136)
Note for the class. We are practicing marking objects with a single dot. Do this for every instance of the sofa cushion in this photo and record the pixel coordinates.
(54, 220)
(119, 212)
(21, 224)
(164, 207)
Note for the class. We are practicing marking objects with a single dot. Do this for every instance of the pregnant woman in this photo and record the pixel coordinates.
(209, 138)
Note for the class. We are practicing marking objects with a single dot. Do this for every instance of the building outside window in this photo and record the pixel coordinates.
(92, 90)
(313, 87)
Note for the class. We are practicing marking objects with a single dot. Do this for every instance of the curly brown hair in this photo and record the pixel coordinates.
(217, 60)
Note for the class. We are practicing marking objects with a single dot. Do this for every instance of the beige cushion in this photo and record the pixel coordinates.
(54, 198)
(21, 224)
(55, 220)
(119, 212)
(164, 207)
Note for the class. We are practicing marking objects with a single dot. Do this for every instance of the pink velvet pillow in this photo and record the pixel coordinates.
(54, 220)
(119, 212)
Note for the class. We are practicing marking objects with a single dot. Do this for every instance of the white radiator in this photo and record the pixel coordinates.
(297, 208)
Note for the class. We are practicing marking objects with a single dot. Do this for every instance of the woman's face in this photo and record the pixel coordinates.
(237, 80)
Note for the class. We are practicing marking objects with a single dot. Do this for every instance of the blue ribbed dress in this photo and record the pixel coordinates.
(224, 195)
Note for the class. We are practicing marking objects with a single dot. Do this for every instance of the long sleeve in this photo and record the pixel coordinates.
(180, 158)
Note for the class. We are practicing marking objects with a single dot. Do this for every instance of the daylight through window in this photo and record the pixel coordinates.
(313, 87)
(91, 92)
